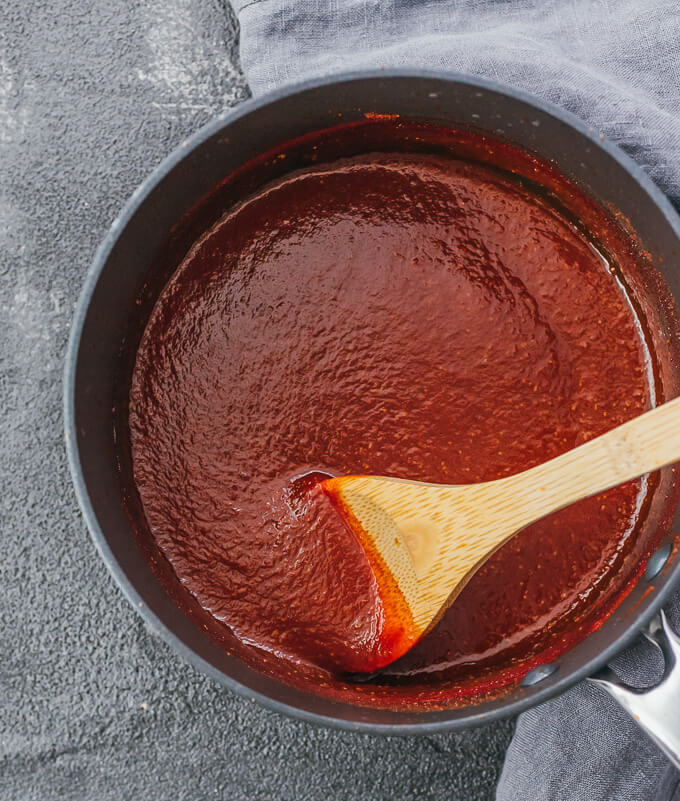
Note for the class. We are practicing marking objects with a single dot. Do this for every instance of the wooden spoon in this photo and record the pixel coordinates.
(425, 541)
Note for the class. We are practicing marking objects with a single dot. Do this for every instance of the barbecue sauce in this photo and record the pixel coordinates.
(414, 314)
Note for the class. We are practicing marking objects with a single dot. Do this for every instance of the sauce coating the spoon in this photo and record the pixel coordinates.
(398, 314)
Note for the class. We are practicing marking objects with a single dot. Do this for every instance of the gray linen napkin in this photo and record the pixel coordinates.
(616, 65)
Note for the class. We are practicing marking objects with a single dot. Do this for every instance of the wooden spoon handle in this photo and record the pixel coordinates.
(644, 444)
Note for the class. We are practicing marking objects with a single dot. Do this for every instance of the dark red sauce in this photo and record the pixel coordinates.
(406, 314)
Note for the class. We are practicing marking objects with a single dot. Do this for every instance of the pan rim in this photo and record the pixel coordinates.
(478, 715)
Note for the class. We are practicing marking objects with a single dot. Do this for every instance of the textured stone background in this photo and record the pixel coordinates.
(93, 94)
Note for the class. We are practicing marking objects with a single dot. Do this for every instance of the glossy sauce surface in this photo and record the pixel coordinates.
(400, 314)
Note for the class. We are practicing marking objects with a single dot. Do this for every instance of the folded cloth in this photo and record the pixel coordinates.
(615, 64)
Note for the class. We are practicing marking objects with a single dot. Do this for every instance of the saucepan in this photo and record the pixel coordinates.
(155, 229)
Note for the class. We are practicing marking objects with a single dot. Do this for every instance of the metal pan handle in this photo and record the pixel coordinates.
(655, 709)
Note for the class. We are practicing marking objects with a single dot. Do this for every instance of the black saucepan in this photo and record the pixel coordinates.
(109, 321)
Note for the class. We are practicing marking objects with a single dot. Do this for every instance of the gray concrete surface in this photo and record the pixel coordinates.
(93, 94)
